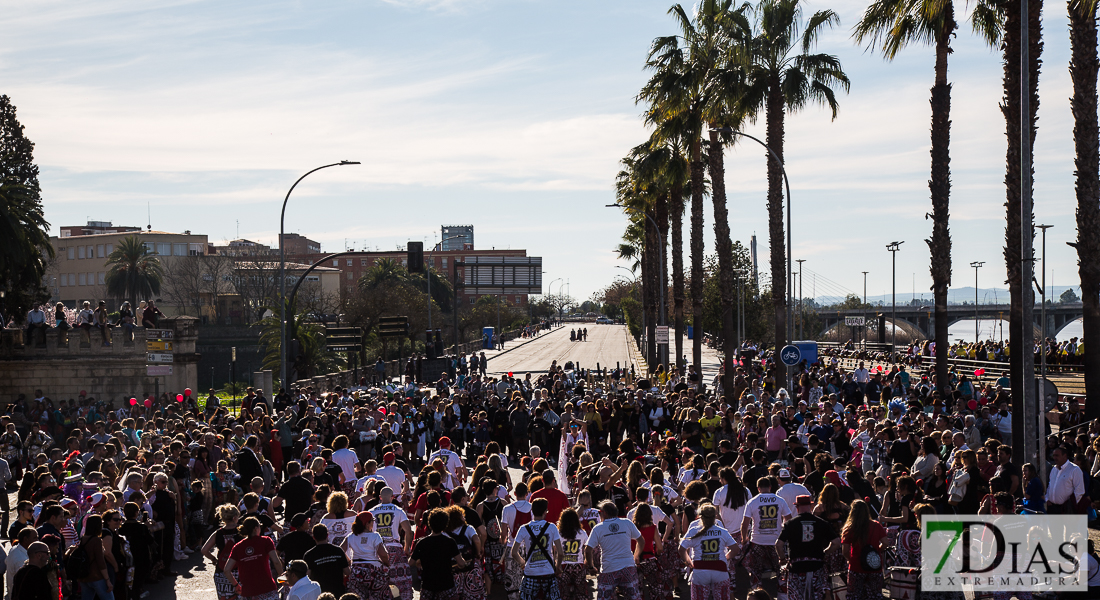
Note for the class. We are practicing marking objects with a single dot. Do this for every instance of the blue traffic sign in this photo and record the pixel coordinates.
(790, 355)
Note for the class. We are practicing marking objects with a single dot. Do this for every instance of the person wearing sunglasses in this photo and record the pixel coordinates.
(31, 581)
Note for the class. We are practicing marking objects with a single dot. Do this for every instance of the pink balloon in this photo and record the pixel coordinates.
(179, 397)
(133, 401)
(148, 404)
(187, 392)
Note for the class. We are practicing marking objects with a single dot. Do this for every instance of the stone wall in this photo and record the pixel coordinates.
(66, 363)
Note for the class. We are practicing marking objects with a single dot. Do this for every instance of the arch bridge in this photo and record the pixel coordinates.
(920, 321)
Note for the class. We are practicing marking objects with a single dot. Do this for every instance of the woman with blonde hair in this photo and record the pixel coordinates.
(470, 580)
(862, 546)
(223, 540)
(706, 549)
(338, 519)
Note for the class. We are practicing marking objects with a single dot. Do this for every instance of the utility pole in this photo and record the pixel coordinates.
(1043, 306)
(977, 265)
(893, 247)
(864, 328)
(801, 308)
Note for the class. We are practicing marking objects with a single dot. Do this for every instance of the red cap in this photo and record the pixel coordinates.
(388, 458)
(444, 442)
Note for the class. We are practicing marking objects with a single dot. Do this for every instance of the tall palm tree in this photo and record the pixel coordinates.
(1083, 69)
(998, 23)
(889, 26)
(23, 238)
(784, 75)
(135, 271)
(636, 191)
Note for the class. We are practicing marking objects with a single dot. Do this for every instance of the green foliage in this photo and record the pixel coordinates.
(1068, 296)
(134, 272)
(311, 359)
(757, 302)
(24, 237)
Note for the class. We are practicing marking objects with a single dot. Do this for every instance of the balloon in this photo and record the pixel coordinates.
(979, 372)
(972, 405)
(179, 397)
(148, 403)
(133, 401)
(187, 392)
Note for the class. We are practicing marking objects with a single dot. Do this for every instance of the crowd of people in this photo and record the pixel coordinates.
(553, 486)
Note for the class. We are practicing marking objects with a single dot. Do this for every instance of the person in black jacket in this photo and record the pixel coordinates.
(31, 581)
(248, 463)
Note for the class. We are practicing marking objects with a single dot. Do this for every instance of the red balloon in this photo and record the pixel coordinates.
(148, 404)
(187, 392)
(179, 397)
(133, 401)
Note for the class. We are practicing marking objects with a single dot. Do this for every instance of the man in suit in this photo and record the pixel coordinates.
(248, 459)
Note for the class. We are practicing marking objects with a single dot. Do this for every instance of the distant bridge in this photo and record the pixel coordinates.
(920, 321)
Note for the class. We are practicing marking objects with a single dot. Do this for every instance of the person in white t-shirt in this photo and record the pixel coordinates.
(514, 516)
(368, 556)
(349, 464)
(390, 522)
(538, 549)
(370, 473)
(572, 577)
(617, 567)
(731, 500)
(790, 490)
(451, 461)
(394, 476)
(764, 517)
(642, 495)
(707, 548)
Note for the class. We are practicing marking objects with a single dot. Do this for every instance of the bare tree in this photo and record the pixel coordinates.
(183, 284)
(256, 280)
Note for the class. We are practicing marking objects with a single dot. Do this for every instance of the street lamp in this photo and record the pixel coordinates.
(893, 247)
(1043, 306)
(282, 272)
(433, 250)
(787, 184)
(801, 312)
(663, 317)
(977, 265)
(864, 328)
(550, 294)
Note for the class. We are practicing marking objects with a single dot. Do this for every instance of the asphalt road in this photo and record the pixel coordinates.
(606, 346)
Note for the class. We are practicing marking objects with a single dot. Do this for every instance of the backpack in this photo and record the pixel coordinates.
(870, 559)
(465, 548)
(78, 564)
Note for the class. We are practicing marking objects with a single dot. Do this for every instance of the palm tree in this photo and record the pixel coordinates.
(135, 271)
(24, 243)
(310, 357)
(890, 25)
(784, 76)
(635, 192)
(998, 22)
(1083, 69)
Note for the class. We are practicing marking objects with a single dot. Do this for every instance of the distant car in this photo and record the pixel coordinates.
(604, 321)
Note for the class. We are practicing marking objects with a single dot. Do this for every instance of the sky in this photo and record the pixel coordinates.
(511, 116)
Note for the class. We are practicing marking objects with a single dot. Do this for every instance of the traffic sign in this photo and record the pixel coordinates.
(393, 327)
(159, 334)
(351, 348)
(159, 358)
(158, 370)
(662, 334)
(855, 321)
(343, 339)
(158, 346)
(790, 355)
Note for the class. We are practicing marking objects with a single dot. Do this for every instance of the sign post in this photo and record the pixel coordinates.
(790, 355)
(662, 334)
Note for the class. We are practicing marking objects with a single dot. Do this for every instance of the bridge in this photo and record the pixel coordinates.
(920, 321)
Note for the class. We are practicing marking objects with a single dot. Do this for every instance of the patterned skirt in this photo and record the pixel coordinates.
(513, 577)
(624, 580)
(222, 586)
(273, 595)
(449, 594)
(349, 489)
(540, 588)
(652, 576)
(671, 565)
(761, 562)
(573, 582)
(494, 559)
(810, 585)
(835, 561)
(865, 586)
(400, 573)
(470, 585)
(368, 582)
(711, 591)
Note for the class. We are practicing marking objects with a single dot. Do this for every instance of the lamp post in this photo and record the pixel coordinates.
(282, 270)
(550, 289)
(433, 251)
(893, 247)
(801, 312)
(663, 316)
(787, 185)
(977, 265)
(864, 328)
(1043, 306)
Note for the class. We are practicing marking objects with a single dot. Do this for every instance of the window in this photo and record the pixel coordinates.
(64, 280)
(102, 277)
(336, 262)
(349, 262)
(72, 279)
(91, 251)
(149, 247)
(473, 300)
(196, 249)
(83, 279)
(444, 259)
(72, 253)
(80, 251)
(164, 249)
(66, 233)
(362, 262)
(109, 248)
(404, 262)
(179, 249)
(99, 250)
(350, 275)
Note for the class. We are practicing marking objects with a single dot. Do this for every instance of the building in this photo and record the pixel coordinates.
(466, 242)
(79, 269)
(297, 245)
(95, 228)
(242, 248)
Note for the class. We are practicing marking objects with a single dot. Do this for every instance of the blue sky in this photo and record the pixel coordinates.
(508, 115)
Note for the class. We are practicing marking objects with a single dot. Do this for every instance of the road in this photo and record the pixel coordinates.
(606, 346)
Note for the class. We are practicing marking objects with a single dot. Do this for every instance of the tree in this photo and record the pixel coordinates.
(1068, 296)
(890, 25)
(307, 342)
(135, 271)
(183, 283)
(24, 237)
(256, 280)
(1083, 68)
(785, 76)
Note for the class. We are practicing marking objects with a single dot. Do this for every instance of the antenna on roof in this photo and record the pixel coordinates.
(149, 210)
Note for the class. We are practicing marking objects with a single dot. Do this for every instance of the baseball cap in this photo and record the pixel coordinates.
(784, 474)
(444, 442)
(389, 458)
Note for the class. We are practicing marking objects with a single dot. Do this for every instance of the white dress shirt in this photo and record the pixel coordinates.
(304, 589)
(14, 561)
(1066, 483)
